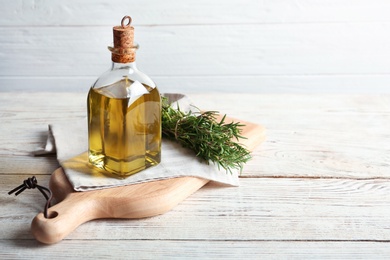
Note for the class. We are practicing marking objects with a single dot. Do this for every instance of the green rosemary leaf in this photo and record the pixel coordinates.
(209, 139)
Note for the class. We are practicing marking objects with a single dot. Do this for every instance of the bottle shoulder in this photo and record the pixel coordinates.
(117, 74)
(124, 82)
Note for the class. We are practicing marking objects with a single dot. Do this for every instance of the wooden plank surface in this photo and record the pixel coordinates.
(265, 46)
(318, 187)
(261, 209)
(333, 136)
(171, 249)
(199, 12)
(56, 56)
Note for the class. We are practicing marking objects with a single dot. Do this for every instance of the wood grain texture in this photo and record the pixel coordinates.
(333, 136)
(261, 209)
(171, 249)
(258, 50)
(171, 12)
(278, 46)
(311, 191)
(325, 136)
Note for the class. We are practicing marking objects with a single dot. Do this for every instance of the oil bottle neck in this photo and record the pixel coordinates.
(119, 65)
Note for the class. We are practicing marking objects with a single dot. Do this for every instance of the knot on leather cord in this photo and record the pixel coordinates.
(32, 183)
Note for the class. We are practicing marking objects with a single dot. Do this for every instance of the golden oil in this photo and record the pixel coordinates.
(124, 133)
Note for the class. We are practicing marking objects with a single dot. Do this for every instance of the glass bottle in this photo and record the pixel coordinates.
(124, 112)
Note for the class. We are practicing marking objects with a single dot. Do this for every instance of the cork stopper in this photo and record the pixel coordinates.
(124, 49)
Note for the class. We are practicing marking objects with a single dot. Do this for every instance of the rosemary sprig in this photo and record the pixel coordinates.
(209, 139)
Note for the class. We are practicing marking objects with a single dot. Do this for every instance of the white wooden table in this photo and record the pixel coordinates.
(317, 187)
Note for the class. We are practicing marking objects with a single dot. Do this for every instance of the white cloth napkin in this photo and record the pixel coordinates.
(70, 141)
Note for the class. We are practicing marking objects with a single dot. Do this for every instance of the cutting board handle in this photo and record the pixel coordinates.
(134, 201)
(63, 218)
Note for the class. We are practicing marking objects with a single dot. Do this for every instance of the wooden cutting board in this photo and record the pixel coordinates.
(133, 201)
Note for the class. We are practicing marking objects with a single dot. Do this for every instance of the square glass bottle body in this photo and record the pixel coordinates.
(124, 121)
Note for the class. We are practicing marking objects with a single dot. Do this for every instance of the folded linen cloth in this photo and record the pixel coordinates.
(70, 142)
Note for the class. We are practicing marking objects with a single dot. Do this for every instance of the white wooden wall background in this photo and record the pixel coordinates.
(337, 46)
